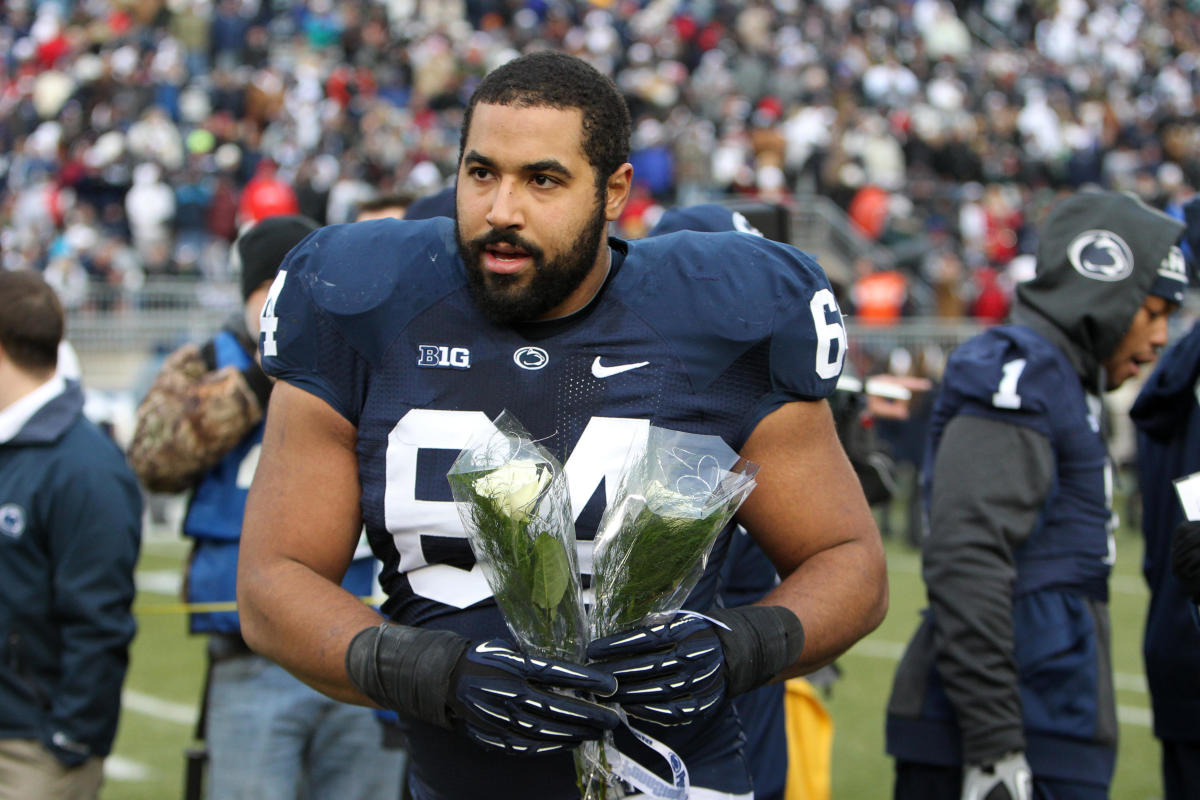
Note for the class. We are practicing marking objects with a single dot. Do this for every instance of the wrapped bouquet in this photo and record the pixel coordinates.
(512, 497)
(676, 494)
(652, 545)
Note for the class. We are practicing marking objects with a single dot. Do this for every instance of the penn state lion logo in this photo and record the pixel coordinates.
(12, 520)
(1100, 255)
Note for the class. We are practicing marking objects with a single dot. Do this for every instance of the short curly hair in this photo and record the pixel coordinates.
(549, 79)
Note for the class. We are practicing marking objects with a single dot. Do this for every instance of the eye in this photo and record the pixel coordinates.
(544, 181)
(478, 173)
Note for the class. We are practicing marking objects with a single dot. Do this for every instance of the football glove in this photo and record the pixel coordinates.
(1008, 778)
(498, 697)
(679, 671)
(1185, 557)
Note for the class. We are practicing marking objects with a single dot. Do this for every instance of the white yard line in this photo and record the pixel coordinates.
(150, 706)
(159, 581)
(119, 768)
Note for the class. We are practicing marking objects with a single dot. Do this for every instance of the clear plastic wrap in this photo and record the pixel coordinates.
(512, 497)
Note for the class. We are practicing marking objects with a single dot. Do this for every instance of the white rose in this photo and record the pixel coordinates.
(516, 486)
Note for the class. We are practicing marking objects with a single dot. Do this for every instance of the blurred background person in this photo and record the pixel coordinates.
(70, 532)
(1167, 417)
(199, 429)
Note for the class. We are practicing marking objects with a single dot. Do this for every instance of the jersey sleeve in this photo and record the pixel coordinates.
(725, 300)
(807, 334)
(1001, 378)
(299, 342)
(344, 294)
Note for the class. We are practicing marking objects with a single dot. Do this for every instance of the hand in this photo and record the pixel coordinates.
(1185, 557)
(669, 674)
(1008, 778)
(676, 673)
(496, 696)
(499, 699)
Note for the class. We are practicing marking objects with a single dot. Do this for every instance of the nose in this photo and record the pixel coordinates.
(1158, 333)
(505, 212)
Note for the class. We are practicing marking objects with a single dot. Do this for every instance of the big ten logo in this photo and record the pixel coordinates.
(440, 355)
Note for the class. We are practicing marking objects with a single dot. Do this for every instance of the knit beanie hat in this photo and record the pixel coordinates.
(260, 249)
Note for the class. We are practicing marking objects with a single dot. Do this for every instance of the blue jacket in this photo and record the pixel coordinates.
(1167, 417)
(70, 530)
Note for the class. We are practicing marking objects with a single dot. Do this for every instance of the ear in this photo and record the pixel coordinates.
(617, 191)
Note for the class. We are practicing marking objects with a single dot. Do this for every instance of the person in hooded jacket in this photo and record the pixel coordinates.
(1167, 416)
(70, 531)
(1005, 691)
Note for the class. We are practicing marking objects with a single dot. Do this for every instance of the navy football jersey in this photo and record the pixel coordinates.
(695, 332)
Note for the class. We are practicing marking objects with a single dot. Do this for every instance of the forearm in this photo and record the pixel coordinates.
(839, 595)
(298, 537)
(810, 517)
(304, 622)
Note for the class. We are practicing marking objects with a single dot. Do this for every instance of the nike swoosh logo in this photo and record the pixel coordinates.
(601, 371)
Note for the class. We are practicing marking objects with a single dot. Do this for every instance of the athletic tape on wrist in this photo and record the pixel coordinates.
(406, 669)
(759, 643)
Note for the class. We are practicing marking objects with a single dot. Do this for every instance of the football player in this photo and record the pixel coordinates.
(1006, 690)
(394, 342)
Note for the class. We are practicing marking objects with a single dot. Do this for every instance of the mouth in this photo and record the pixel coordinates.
(504, 259)
(1140, 361)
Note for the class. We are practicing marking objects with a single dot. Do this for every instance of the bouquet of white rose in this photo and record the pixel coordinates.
(512, 497)
(675, 496)
(677, 491)
(652, 545)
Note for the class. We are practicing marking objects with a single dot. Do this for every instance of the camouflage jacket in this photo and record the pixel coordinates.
(192, 415)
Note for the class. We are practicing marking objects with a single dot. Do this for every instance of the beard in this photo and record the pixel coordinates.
(503, 298)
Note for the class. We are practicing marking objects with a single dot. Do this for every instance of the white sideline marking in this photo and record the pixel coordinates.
(150, 706)
(1130, 715)
(1125, 681)
(119, 768)
(160, 581)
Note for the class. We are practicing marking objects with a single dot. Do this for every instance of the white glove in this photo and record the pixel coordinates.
(1007, 778)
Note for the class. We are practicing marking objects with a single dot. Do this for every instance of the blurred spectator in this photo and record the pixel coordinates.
(968, 117)
(199, 429)
(383, 206)
(70, 530)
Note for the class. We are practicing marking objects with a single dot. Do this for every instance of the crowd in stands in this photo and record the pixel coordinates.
(137, 137)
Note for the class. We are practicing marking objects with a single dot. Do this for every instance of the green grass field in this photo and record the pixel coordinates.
(165, 674)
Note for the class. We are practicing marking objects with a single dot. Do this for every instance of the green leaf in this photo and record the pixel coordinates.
(551, 571)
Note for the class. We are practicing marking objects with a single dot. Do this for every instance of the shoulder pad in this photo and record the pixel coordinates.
(713, 295)
(1009, 369)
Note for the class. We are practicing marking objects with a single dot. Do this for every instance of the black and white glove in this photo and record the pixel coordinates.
(1185, 557)
(495, 695)
(678, 672)
(1008, 778)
